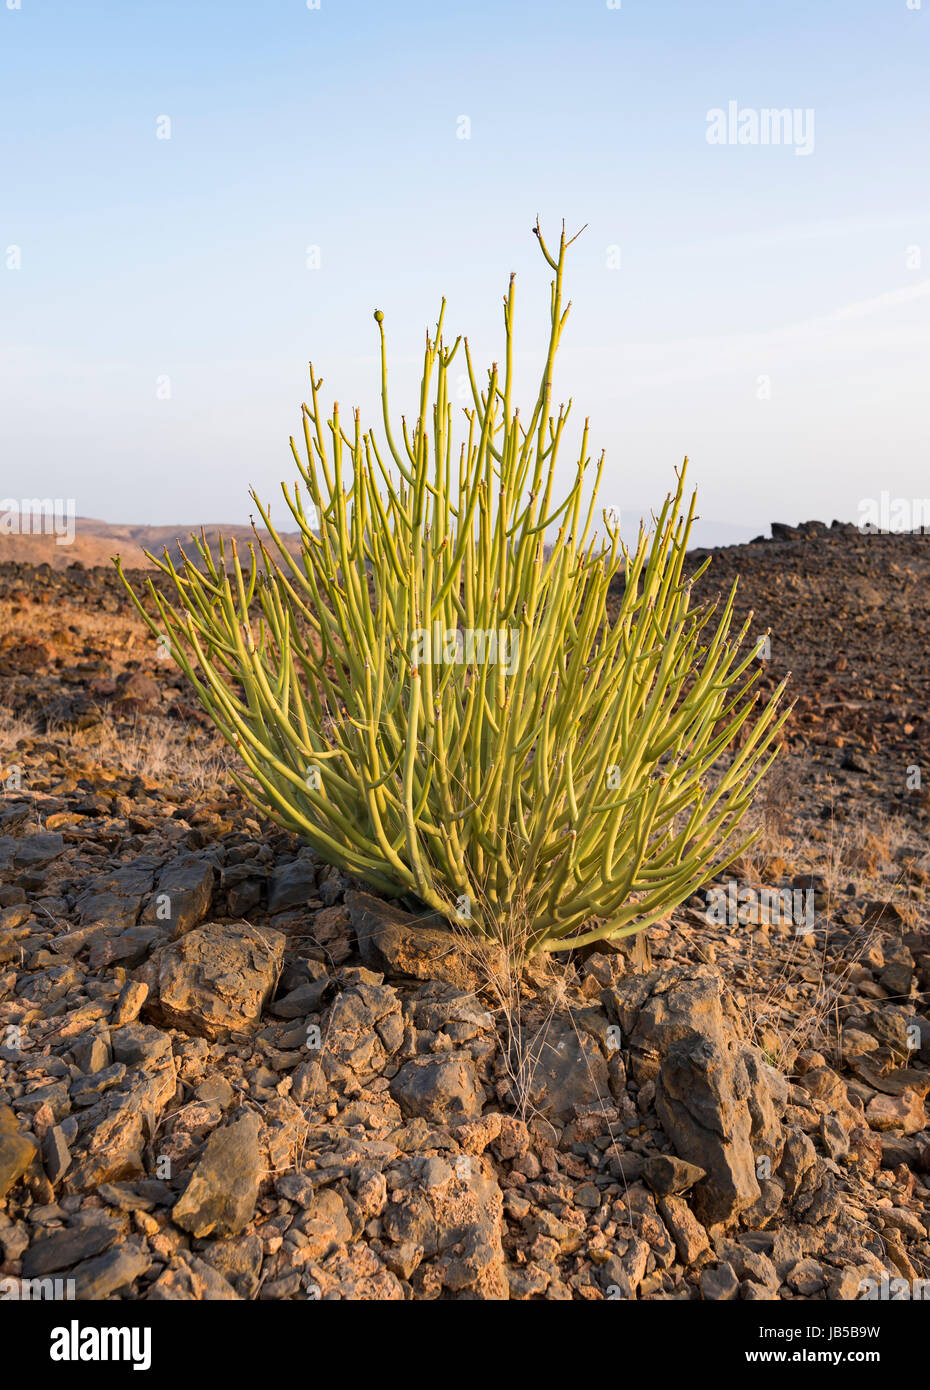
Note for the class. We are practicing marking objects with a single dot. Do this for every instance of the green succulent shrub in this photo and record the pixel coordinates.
(466, 690)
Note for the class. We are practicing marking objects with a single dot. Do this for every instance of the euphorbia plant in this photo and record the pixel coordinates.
(467, 691)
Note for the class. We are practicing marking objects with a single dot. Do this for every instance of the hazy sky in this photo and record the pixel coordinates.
(769, 315)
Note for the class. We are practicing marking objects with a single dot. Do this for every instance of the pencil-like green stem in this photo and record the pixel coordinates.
(465, 689)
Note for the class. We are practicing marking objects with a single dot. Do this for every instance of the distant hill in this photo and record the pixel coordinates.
(707, 534)
(96, 541)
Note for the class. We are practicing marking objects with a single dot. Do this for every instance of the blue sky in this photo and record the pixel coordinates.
(745, 270)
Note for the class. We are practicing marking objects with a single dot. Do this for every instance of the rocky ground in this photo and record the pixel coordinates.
(227, 1072)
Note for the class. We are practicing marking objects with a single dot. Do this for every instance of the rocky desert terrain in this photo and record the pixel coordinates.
(227, 1072)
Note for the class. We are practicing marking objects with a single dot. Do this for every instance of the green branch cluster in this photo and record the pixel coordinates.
(435, 693)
